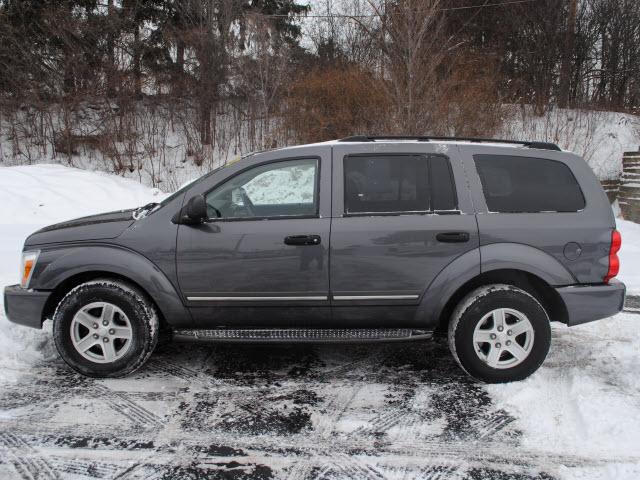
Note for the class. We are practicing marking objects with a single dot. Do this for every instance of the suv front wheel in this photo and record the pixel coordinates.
(499, 333)
(105, 328)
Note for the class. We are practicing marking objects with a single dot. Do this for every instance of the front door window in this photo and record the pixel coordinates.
(281, 189)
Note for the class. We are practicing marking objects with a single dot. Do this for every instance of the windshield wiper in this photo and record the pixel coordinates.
(143, 211)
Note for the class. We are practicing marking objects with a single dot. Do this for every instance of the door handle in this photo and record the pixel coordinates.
(302, 240)
(453, 237)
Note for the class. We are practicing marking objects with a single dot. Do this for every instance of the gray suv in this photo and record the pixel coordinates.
(359, 239)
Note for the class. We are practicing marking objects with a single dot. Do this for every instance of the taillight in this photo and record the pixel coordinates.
(614, 261)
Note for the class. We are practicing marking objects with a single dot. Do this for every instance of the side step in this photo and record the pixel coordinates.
(274, 335)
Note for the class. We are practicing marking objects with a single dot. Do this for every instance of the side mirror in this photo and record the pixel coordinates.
(193, 213)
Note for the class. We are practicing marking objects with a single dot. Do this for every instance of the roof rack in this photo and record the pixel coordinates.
(526, 144)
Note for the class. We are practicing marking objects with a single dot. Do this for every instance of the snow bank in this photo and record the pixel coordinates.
(45, 194)
(38, 195)
(629, 255)
(584, 399)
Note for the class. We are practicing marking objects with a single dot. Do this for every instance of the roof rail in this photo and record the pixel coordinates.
(526, 144)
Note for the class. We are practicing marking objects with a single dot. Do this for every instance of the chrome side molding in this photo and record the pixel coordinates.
(375, 297)
(301, 298)
(255, 299)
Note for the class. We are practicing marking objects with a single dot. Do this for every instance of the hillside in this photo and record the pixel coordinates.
(162, 152)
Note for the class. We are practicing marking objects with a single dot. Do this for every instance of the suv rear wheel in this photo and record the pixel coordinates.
(499, 333)
(105, 328)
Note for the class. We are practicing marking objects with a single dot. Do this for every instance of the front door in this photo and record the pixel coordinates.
(262, 257)
(397, 222)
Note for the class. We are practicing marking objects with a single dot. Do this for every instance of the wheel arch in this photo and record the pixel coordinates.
(78, 279)
(517, 256)
(522, 266)
(527, 281)
(78, 265)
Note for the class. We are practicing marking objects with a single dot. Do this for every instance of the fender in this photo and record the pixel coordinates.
(444, 285)
(497, 256)
(59, 264)
(517, 256)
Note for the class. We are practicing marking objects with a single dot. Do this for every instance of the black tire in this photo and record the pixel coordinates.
(471, 310)
(165, 338)
(139, 310)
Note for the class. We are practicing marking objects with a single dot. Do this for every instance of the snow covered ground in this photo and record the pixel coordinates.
(630, 256)
(392, 411)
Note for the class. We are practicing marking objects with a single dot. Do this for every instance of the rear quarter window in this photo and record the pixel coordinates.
(514, 184)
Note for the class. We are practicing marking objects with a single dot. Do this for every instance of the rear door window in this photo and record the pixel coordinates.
(443, 190)
(388, 184)
(514, 184)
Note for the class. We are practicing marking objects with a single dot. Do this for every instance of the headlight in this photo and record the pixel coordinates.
(28, 264)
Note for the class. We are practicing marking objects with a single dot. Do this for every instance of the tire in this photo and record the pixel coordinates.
(492, 355)
(165, 338)
(131, 328)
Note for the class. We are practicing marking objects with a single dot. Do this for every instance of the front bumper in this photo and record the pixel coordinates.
(25, 306)
(586, 303)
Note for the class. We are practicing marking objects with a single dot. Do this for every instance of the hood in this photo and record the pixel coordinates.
(94, 227)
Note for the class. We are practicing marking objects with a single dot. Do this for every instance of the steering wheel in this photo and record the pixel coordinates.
(215, 210)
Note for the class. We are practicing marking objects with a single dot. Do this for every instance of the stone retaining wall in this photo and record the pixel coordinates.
(629, 193)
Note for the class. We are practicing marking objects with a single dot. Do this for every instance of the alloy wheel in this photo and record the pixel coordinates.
(101, 332)
(503, 338)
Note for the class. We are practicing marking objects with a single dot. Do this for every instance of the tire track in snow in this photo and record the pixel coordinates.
(338, 413)
(345, 466)
(86, 468)
(181, 372)
(27, 461)
(493, 424)
(330, 457)
(493, 454)
(438, 472)
(336, 408)
(383, 422)
(122, 404)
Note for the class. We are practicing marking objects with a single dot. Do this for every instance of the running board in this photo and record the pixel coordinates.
(294, 335)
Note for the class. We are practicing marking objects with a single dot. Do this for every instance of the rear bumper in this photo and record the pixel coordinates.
(586, 303)
(25, 306)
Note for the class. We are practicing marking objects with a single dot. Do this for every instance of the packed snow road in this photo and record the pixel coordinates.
(396, 411)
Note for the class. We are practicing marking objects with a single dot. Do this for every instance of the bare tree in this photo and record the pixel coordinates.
(567, 55)
(411, 37)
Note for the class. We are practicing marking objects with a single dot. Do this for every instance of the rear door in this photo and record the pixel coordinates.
(398, 220)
